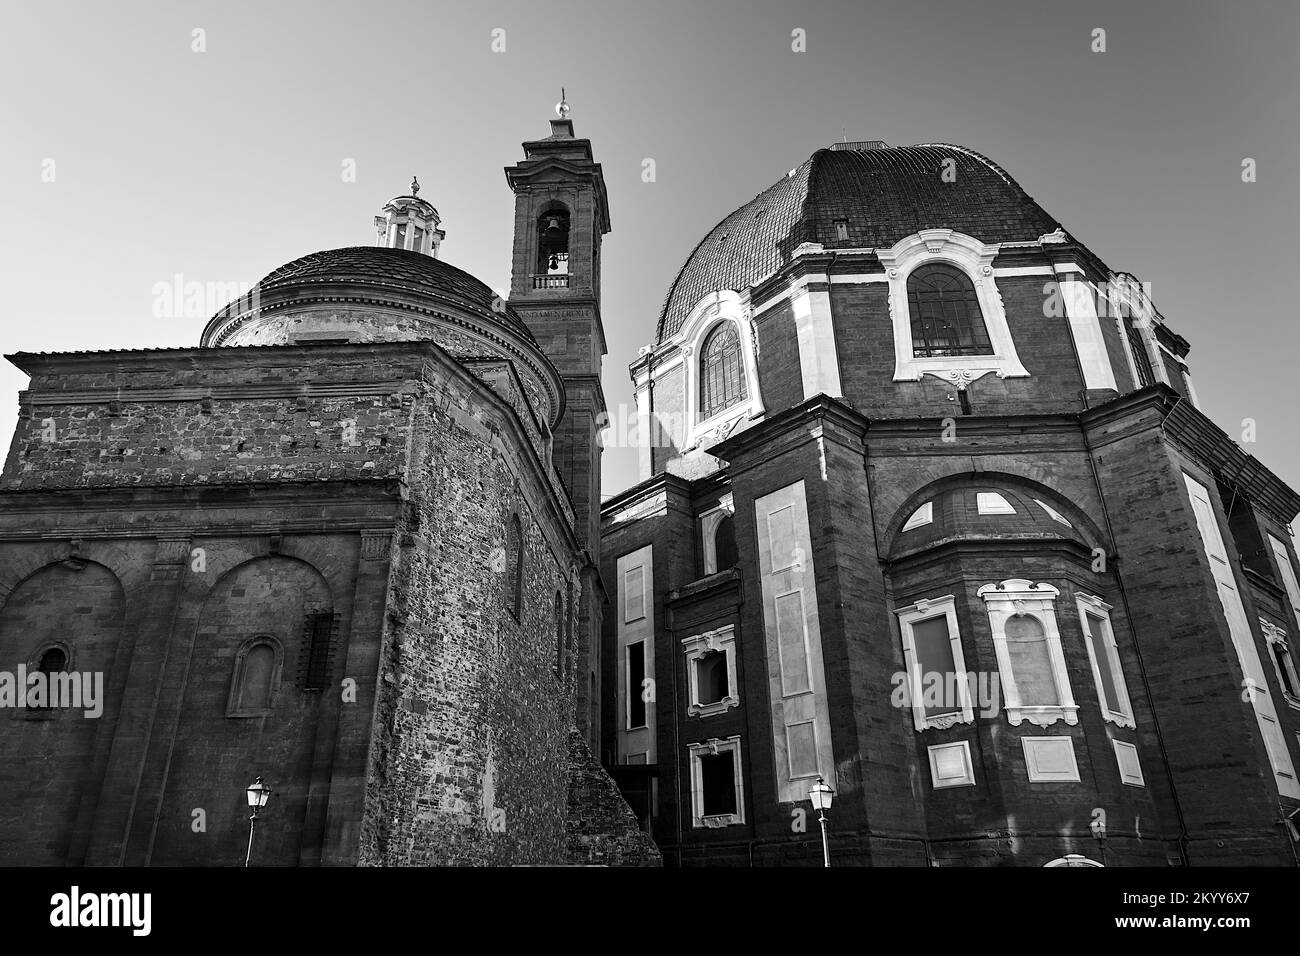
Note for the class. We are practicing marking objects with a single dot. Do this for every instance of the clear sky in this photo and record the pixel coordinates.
(218, 166)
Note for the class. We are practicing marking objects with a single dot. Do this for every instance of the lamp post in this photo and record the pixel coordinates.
(258, 794)
(821, 796)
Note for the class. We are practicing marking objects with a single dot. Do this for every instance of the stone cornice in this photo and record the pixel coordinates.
(1197, 436)
(820, 409)
(662, 483)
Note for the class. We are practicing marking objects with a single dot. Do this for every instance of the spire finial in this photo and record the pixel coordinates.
(562, 108)
(415, 186)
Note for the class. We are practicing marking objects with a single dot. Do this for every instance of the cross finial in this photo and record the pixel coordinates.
(562, 108)
(415, 186)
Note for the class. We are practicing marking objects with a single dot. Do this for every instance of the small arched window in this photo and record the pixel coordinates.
(514, 583)
(53, 661)
(945, 313)
(722, 372)
(253, 685)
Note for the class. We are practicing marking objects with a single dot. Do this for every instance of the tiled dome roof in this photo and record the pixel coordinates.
(885, 193)
(380, 268)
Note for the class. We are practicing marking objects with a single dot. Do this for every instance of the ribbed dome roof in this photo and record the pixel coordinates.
(380, 268)
(885, 193)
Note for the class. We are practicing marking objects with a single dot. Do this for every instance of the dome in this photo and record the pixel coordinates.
(375, 268)
(380, 294)
(885, 193)
(984, 510)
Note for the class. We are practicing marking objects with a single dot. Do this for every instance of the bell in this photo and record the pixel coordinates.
(553, 230)
(555, 262)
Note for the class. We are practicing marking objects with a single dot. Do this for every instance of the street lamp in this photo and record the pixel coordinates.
(821, 796)
(258, 794)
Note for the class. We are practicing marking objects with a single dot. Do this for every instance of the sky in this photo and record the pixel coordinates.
(132, 157)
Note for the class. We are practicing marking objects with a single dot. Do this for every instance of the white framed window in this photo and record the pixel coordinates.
(717, 783)
(1050, 759)
(1103, 655)
(950, 765)
(938, 689)
(921, 516)
(1053, 513)
(975, 260)
(1279, 650)
(1022, 616)
(733, 376)
(1130, 768)
(711, 672)
(992, 503)
(717, 526)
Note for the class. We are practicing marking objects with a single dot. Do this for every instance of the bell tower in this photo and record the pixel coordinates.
(561, 213)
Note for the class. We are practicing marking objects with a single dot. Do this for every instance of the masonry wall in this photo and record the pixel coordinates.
(1218, 764)
(177, 506)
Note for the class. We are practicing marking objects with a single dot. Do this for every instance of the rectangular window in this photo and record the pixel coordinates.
(711, 672)
(1285, 668)
(1141, 358)
(717, 785)
(635, 681)
(1279, 649)
(316, 661)
(841, 230)
(935, 659)
(937, 686)
(718, 773)
(1103, 655)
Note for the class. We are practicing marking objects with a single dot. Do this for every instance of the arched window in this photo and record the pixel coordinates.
(514, 583)
(945, 313)
(553, 243)
(252, 688)
(53, 661)
(724, 544)
(1031, 661)
(722, 372)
